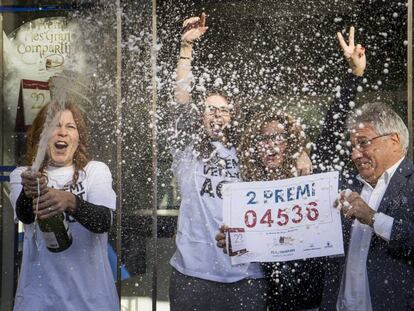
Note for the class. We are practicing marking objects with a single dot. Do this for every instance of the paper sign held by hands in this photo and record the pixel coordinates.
(283, 220)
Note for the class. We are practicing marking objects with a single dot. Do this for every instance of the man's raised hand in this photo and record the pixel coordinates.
(354, 54)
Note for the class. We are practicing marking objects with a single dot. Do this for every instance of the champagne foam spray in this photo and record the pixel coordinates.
(37, 209)
(67, 87)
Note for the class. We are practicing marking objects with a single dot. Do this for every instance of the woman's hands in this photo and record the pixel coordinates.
(47, 202)
(303, 164)
(30, 186)
(221, 238)
(354, 54)
(193, 29)
(54, 202)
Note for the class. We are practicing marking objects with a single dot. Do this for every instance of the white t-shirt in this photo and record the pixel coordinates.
(79, 278)
(201, 215)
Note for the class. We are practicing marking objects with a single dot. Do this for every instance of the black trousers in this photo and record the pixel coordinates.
(189, 293)
(294, 285)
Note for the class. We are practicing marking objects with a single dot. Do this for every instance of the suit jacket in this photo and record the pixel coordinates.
(390, 265)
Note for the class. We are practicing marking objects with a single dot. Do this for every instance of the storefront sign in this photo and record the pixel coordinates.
(33, 53)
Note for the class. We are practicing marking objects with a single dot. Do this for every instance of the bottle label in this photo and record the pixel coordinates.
(66, 224)
(50, 239)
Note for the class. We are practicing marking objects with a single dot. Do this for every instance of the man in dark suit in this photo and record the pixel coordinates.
(378, 272)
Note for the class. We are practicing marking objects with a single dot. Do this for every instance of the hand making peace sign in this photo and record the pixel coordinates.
(354, 54)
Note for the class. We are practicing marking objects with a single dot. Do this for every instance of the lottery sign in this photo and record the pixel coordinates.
(282, 220)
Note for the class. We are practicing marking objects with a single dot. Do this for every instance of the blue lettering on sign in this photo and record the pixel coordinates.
(290, 193)
(285, 194)
(268, 194)
(252, 196)
(303, 191)
(279, 196)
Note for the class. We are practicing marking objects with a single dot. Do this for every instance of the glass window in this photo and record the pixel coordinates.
(260, 55)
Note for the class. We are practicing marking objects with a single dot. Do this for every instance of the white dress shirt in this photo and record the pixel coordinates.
(354, 291)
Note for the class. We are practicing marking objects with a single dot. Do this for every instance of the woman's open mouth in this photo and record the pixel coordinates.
(272, 157)
(273, 152)
(216, 127)
(61, 145)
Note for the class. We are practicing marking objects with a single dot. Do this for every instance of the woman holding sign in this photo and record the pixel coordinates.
(268, 152)
(204, 159)
(269, 147)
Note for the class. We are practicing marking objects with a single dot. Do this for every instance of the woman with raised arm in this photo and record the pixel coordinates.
(204, 158)
(64, 270)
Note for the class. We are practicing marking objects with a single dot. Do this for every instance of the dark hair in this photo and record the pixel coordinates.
(81, 156)
(251, 167)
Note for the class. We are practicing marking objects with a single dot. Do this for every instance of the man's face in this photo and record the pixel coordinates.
(216, 116)
(272, 145)
(373, 154)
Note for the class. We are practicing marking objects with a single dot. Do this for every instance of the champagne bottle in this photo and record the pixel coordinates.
(55, 231)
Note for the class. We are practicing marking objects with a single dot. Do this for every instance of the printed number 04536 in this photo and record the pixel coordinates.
(284, 216)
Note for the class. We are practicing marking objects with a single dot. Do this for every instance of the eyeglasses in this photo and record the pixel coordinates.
(211, 110)
(275, 138)
(364, 143)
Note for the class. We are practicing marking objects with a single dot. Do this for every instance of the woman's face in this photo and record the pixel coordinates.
(272, 145)
(64, 141)
(216, 116)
